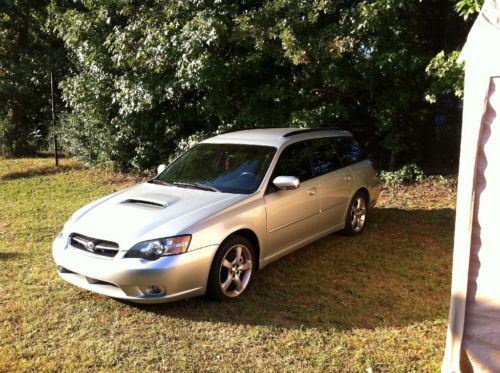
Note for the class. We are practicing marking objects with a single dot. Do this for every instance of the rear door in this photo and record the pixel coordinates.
(353, 156)
(335, 183)
(292, 215)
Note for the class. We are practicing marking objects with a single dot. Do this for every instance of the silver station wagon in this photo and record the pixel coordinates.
(227, 207)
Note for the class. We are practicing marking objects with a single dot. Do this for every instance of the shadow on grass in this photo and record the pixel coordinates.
(398, 272)
(30, 172)
(48, 155)
(8, 256)
(38, 155)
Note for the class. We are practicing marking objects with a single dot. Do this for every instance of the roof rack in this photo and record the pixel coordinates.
(307, 130)
(230, 130)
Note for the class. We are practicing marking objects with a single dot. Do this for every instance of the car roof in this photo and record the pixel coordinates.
(276, 137)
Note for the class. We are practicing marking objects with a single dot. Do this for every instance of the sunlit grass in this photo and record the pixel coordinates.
(376, 301)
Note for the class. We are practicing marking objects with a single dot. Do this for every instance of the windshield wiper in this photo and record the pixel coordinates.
(158, 181)
(197, 186)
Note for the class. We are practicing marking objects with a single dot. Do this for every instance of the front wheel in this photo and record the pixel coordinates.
(232, 269)
(356, 215)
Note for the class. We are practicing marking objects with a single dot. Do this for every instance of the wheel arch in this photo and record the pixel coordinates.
(251, 236)
(365, 191)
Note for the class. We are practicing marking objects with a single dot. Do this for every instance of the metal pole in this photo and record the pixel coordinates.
(56, 154)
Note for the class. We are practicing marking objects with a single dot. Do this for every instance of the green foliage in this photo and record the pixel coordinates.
(466, 8)
(152, 75)
(147, 76)
(446, 73)
(409, 173)
(447, 76)
(450, 181)
(28, 52)
(398, 38)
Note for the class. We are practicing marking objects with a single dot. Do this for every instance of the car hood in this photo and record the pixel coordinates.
(147, 211)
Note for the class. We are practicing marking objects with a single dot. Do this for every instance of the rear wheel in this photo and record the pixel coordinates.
(356, 214)
(232, 269)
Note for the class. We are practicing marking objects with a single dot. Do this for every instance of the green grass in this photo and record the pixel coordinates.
(376, 301)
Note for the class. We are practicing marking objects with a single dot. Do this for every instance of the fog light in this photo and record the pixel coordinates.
(153, 290)
(61, 269)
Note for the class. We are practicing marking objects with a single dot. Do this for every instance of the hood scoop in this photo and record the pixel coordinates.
(145, 202)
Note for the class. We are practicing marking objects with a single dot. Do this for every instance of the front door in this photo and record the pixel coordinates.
(292, 215)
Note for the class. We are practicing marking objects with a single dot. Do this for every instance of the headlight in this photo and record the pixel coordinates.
(152, 250)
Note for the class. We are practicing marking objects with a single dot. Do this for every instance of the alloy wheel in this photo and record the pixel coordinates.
(235, 270)
(358, 214)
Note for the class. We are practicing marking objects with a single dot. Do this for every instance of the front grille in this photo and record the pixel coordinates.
(94, 245)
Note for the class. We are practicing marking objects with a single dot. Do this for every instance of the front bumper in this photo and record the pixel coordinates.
(175, 277)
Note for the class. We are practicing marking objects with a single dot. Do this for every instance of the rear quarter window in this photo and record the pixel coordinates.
(348, 150)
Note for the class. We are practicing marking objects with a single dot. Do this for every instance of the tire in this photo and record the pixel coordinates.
(356, 215)
(232, 270)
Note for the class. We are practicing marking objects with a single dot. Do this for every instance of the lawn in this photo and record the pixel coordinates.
(379, 300)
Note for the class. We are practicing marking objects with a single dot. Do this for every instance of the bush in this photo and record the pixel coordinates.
(15, 142)
(449, 180)
(409, 173)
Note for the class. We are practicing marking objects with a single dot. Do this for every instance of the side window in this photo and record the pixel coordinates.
(293, 161)
(323, 157)
(348, 149)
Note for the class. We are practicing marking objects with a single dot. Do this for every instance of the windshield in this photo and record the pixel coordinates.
(229, 168)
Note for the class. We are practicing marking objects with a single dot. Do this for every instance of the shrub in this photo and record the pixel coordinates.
(409, 173)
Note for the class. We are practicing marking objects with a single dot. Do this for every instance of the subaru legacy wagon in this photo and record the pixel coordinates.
(227, 207)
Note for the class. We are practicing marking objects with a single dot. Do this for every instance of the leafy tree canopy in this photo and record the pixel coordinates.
(148, 77)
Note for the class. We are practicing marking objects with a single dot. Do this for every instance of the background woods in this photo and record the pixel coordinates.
(138, 81)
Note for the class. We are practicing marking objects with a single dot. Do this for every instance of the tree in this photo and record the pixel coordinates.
(445, 91)
(148, 74)
(146, 77)
(447, 74)
(28, 52)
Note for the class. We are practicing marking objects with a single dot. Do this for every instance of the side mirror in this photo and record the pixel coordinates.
(161, 168)
(286, 182)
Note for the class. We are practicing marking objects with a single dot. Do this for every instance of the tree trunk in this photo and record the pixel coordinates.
(17, 133)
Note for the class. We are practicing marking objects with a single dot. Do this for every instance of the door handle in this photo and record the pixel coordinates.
(311, 191)
(347, 179)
